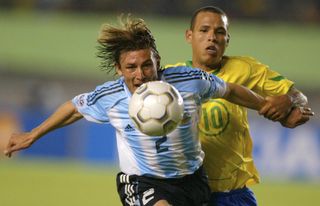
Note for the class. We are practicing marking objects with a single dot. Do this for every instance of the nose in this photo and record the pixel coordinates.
(139, 73)
(211, 36)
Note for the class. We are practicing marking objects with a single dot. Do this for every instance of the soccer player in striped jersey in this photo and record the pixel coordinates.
(150, 174)
(223, 126)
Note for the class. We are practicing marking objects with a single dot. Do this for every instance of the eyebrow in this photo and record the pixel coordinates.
(147, 61)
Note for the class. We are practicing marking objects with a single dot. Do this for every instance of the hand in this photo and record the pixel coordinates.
(18, 142)
(276, 107)
(298, 116)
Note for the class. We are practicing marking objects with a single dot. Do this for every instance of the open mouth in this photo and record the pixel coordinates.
(137, 85)
(211, 49)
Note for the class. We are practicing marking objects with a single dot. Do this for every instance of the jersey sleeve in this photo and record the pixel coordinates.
(265, 81)
(93, 111)
(218, 87)
(195, 80)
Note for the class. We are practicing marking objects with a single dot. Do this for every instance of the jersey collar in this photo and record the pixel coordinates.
(215, 71)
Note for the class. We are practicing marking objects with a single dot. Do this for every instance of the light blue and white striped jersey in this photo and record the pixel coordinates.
(172, 156)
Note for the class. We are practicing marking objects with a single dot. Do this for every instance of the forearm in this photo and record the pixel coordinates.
(244, 97)
(64, 115)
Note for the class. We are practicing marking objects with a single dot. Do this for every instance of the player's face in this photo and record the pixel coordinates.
(209, 39)
(137, 67)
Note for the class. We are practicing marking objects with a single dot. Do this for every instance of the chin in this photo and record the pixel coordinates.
(210, 62)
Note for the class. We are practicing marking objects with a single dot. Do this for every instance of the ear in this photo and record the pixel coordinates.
(118, 69)
(228, 39)
(188, 35)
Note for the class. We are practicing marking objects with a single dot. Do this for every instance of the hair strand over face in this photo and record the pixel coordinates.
(132, 35)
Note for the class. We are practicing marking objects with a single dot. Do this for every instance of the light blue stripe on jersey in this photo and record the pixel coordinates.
(103, 91)
(186, 78)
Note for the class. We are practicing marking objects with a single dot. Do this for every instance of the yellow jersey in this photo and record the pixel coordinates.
(224, 128)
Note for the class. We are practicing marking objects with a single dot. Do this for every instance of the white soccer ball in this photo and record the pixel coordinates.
(156, 108)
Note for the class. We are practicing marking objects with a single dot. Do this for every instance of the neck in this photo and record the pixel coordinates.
(206, 68)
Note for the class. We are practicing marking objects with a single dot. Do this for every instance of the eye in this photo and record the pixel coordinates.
(130, 67)
(203, 30)
(221, 31)
(147, 67)
(148, 64)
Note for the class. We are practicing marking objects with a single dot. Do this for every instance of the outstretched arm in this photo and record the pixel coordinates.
(64, 115)
(242, 96)
(290, 109)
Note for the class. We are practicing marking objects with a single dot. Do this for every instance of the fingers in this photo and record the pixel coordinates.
(297, 116)
(276, 108)
(14, 147)
(272, 116)
(275, 117)
(264, 109)
(9, 149)
(271, 113)
(17, 142)
(306, 111)
(304, 119)
(7, 153)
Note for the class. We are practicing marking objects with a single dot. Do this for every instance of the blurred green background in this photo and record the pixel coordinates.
(38, 43)
(65, 44)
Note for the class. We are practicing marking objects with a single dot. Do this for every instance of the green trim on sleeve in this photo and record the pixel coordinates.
(278, 78)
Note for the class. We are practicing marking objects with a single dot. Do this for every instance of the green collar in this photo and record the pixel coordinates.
(189, 64)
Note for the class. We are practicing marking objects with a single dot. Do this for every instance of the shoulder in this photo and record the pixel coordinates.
(190, 79)
(243, 65)
(176, 68)
(182, 73)
(110, 89)
(243, 60)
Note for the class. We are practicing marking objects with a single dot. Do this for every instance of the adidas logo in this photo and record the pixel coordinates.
(129, 128)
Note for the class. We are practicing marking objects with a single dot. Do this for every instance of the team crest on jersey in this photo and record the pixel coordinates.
(81, 100)
(215, 117)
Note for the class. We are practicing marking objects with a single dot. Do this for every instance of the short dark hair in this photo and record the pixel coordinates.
(131, 36)
(212, 9)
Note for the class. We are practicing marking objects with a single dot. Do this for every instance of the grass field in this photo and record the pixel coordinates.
(51, 183)
(64, 44)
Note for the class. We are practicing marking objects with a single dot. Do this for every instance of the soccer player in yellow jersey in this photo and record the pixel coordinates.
(224, 128)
